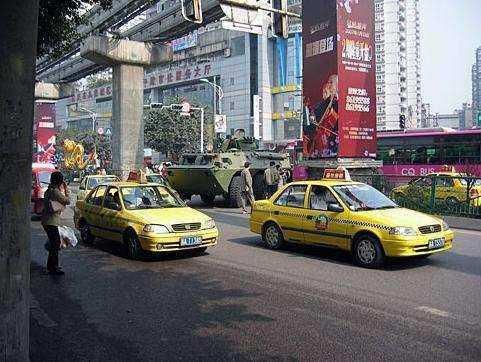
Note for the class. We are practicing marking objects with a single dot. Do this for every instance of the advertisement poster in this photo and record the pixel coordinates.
(44, 132)
(339, 79)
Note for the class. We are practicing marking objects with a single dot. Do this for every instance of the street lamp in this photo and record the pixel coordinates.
(217, 90)
(93, 114)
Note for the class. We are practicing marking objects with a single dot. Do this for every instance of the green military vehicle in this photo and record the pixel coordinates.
(213, 174)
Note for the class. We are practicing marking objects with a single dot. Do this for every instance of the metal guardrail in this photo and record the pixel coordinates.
(441, 195)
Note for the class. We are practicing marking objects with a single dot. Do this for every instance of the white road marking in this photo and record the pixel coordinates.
(39, 314)
(438, 312)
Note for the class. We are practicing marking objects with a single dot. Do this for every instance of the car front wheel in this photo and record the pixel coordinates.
(132, 246)
(86, 234)
(272, 236)
(367, 252)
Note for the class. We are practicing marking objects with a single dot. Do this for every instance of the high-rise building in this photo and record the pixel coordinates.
(398, 75)
(476, 84)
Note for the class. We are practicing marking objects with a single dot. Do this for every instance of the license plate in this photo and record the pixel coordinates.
(436, 243)
(190, 240)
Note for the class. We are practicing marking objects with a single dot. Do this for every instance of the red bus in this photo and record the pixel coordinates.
(417, 152)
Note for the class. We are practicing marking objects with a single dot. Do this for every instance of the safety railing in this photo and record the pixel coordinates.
(442, 194)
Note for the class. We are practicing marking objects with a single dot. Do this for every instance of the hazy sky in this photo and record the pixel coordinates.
(450, 33)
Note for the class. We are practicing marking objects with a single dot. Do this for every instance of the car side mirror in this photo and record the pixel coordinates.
(114, 206)
(334, 207)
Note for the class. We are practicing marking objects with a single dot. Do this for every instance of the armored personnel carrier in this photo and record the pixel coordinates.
(212, 174)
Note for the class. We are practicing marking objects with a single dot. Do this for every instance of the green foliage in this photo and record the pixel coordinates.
(58, 21)
(168, 131)
(98, 80)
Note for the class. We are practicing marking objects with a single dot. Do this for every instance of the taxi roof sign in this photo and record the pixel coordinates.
(447, 168)
(339, 173)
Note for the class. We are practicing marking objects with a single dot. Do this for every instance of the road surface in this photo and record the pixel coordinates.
(241, 301)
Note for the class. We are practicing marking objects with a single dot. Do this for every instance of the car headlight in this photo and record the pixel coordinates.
(445, 225)
(156, 229)
(403, 231)
(209, 224)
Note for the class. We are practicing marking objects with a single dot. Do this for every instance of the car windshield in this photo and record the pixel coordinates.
(155, 179)
(473, 182)
(44, 177)
(363, 197)
(94, 181)
(149, 197)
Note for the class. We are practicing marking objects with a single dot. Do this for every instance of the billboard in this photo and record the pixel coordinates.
(339, 79)
(44, 132)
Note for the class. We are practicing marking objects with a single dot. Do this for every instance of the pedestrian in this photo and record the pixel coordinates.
(271, 178)
(247, 193)
(281, 176)
(56, 198)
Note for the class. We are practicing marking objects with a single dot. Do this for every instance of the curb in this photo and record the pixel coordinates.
(463, 223)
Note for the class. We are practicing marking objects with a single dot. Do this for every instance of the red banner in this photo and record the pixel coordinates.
(339, 78)
(44, 132)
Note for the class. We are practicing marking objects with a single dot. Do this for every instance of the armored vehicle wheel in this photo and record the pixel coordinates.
(235, 192)
(207, 199)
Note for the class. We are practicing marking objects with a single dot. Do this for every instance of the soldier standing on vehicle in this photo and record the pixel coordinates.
(271, 177)
(247, 193)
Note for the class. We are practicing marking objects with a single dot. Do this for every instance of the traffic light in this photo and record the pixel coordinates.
(192, 10)
(280, 21)
(402, 121)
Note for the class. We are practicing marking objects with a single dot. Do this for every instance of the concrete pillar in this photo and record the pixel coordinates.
(128, 59)
(265, 83)
(127, 125)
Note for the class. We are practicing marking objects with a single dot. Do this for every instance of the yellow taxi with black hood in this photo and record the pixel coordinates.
(143, 217)
(338, 212)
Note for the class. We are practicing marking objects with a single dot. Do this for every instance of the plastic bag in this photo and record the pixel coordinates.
(67, 236)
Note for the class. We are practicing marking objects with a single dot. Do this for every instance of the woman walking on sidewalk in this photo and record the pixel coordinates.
(56, 198)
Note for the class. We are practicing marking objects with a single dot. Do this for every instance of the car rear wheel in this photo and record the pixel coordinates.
(272, 236)
(86, 234)
(132, 245)
(367, 252)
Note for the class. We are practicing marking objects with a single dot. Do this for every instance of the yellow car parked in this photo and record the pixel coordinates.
(89, 182)
(450, 187)
(347, 215)
(144, 217)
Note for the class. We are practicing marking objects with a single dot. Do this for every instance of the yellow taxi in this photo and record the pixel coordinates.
(143, 217)
(340, 213)
(450, 187)
(89, 182)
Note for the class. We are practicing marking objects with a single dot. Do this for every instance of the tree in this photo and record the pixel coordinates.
(168, 131)
(20, 23)
(58, 22)
(99, 79)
